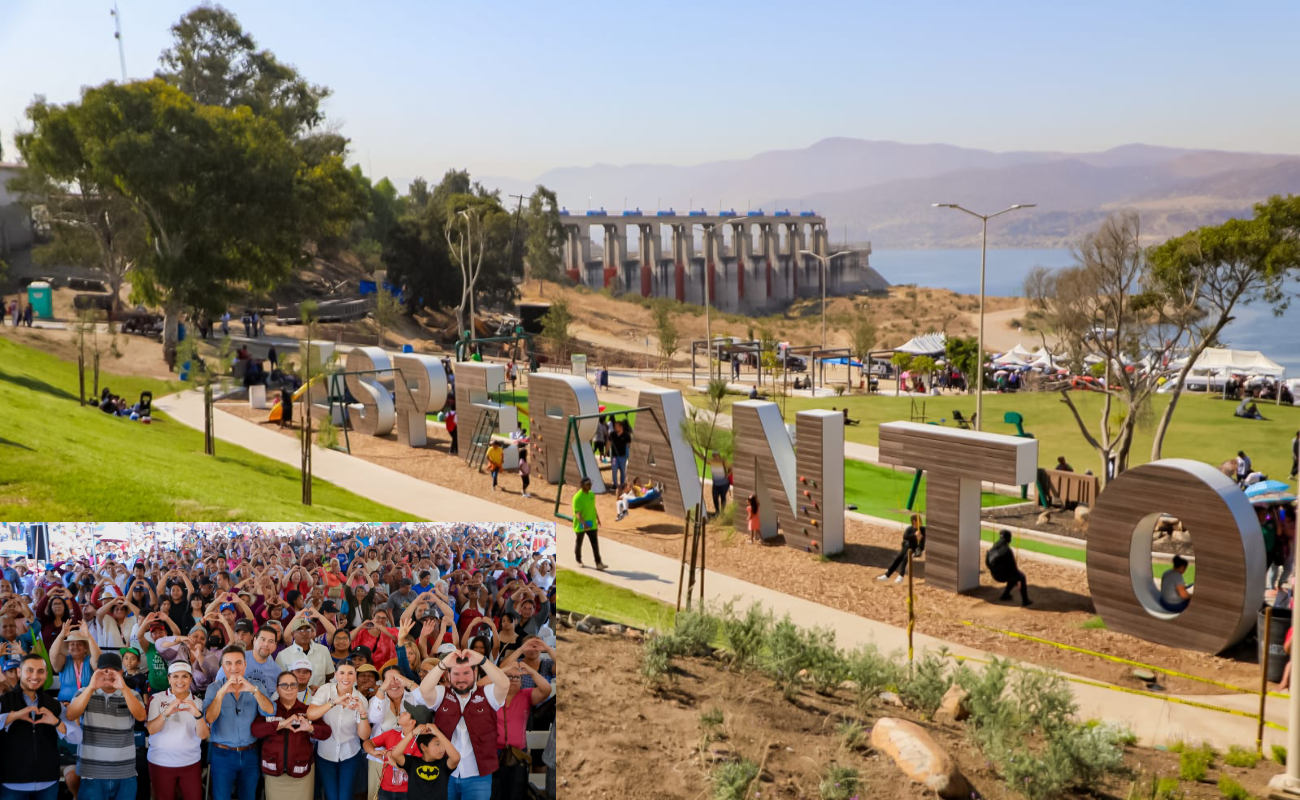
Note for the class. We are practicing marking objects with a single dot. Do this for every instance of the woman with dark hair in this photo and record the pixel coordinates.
(286, 743)
(55, 608)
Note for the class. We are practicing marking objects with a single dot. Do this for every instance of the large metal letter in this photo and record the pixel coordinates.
(956, 462)
(475, 384)
(1230, 560)
(802, 497)
(419, 386)
(375, 412)
(552, 398)
(661, 454)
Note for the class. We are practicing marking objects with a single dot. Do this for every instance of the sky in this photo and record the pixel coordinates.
(513, 89)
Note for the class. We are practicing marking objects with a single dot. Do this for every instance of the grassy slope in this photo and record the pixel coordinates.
(63, 462)
(1203, 428)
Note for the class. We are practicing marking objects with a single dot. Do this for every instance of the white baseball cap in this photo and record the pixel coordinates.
(180, 666)
(445, 648)
(301, 663)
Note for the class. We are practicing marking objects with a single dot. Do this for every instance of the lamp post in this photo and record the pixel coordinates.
(704, 296)
(979, 355)
(825, 262)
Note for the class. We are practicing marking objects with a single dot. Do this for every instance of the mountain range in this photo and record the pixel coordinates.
(882, 191)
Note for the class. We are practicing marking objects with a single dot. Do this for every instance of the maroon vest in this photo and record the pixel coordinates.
(480, 720)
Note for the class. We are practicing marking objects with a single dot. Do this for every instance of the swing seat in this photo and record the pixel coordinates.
(649, 498)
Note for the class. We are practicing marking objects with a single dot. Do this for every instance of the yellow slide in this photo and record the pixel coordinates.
(303, 389)
(277, 411)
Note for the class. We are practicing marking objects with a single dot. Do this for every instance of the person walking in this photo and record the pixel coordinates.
(451, 431)
(35, 722)
(108, 711)
(914, 543)
(495, 458)
(176, 729)
(1001, 561)
(27, 315)
(752, 522)
(225, 324)
(620, 439)
(525, 470)
(585, 522)
(286, 738)
(720, 474)
(345, 710)
(231, 705)
(459, 714)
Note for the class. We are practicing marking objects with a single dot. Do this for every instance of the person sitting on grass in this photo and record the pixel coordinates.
(1175, 594)
(847, 420)
(633, 492)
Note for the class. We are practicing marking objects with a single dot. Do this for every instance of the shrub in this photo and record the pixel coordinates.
(1231, 790)
(732, 779)
(839, 783)
(1076, 756)
(791, 649)
(745, 635)
(851, 733)
(1194, 763)
(1279, 754)
(693, 633)
(1167, 789)
(1093, 624)
(1176, 746)
(657, 656)
(925, 687)
(711, 719)
(1238, 756)
(873, 672)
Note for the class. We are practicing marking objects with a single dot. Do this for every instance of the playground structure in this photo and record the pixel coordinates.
(517, 344)
(815, 357)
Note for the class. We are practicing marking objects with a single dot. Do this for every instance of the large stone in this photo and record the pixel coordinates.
(1044, 518)
(1081, 515)
(953, 707)
(919, 757)
(891, 699)
(1182, 537)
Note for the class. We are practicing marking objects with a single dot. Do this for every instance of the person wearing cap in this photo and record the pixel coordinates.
(231, 705)
(344, 709)
(108, 711)
(305, 648)
(302, 673)
(244, 631)
(466, 714)
(36, 722)
(176, 727)
(286, 743)
(360, 655)
(71, 656)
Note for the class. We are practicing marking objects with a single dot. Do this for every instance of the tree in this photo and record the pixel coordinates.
(701, 432)
(545, 234)
(224, 198)
(963, 355)
(864, 339)
(1213, 271)
(900, 362)
(205, 373)
(923, 365)
(666, 332)
(555, 328)
(387, 312)
(307, 312)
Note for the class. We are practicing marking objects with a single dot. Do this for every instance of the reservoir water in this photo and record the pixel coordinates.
(959, 270)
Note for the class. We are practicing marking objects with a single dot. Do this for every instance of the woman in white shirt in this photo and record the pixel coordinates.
(543, 574)
(345, 710)
(176, 727)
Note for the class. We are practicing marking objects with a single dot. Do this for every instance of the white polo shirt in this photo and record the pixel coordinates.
(344, 741)
(322, 664)
(177, 744)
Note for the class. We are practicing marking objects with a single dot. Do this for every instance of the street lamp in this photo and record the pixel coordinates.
(825, 262)
(979, 355)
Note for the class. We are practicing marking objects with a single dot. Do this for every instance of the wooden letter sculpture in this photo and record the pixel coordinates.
(373, 412)
(419, 386)
(660, 454)
(553, 397)
(801, 497)
(957, 461)
(475, 383)
(1230, 562)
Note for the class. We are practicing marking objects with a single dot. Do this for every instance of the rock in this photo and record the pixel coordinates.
(954, 707)
(919, 757)
(588, 624)
(891, 699)
(633, 633)
(615, 630)
(1045, 518)
(849, 686)
(802, 674)
(563, 620)
(722, 654)
(1081, 514)
(1182, 537)
(1144, 675)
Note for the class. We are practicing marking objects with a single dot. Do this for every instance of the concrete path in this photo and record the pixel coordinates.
(383, 485)
(1154, 720)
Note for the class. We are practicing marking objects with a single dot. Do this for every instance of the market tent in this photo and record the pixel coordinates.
(1245, 362)
(842, 360)
(1010, 359)
(927, 344)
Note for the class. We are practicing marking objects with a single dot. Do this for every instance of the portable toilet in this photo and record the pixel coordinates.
(41, 297)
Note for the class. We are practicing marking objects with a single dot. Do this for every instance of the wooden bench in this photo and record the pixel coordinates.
(1068, 489)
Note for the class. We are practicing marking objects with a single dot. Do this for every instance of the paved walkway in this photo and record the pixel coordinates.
(1153, 720)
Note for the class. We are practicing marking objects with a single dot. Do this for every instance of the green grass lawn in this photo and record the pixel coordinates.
(587, 595)
(882, 492)
(1203, 428)
(59, 461)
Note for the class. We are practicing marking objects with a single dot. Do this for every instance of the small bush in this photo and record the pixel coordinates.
(745, 635)
(1176, 746)
(1279, 754)
(852, 734)
(1167, 789)
(1094, 624)
(657, 657)
(711, 719)
(839, 783)
(730, 780)
(873, 672)
(1231, 790)
(925, 687)
(693, 633)
(1077, 756)
(1194, 763)
(1238, 756)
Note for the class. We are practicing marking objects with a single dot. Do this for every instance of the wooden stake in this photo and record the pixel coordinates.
(1263, 680)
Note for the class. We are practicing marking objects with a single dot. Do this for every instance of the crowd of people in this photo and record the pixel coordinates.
(300, 661)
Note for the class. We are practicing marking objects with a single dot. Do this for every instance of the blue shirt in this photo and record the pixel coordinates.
(68, 685)
(234, 726)
(265, 675)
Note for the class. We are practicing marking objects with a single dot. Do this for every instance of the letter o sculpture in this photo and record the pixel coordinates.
(1230, 561)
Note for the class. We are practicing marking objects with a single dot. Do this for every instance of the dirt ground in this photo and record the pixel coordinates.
(847, 582)
(656, 739)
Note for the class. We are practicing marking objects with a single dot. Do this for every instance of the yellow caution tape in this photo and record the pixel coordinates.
(1119, 660)
(1166, 698)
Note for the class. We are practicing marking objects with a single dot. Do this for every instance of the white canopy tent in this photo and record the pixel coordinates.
(1242, 362)
(927, 344)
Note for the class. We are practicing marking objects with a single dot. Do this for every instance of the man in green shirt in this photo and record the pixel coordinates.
(585, 521)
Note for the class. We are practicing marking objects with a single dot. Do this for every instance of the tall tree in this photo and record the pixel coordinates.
(545, 236)
(666, 332)
(1214, 271)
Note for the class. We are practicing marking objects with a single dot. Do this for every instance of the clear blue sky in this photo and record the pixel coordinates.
(516, 88)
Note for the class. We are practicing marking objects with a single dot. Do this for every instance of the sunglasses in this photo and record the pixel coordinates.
(287, 685)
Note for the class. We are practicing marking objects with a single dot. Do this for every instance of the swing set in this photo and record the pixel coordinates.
(571, 436)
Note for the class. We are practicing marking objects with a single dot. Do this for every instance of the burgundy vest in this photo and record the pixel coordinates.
(480, 720)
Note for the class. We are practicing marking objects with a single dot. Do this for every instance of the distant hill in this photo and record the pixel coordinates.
(882, 190)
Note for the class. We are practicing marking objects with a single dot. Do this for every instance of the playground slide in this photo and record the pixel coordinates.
(277, 411)
(303, 389)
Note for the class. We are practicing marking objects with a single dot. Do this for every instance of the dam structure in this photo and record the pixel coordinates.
(748, 263)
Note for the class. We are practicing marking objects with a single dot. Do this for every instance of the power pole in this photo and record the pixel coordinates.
(515, 239)
(121, 50)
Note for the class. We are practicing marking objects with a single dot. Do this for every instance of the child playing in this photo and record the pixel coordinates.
(429, 763)
(751, 508)
(524, 471)
(495, 458)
